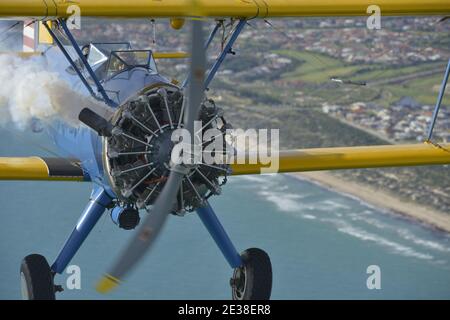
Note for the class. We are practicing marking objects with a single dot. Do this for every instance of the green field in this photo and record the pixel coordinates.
(423, 90)
(316, 69)
(378, 72)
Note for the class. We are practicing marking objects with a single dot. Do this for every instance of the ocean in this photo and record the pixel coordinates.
(320, 242)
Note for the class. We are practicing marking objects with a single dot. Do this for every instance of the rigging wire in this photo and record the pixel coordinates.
(285, 34)
(154, 32)
(11, 27)
(232, 27)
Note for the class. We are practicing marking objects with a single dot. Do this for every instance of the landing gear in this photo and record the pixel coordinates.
(36, 278)
(253, 280)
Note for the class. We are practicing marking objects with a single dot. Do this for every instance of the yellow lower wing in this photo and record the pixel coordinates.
(58, 169)
(35, 168)
(353, 157)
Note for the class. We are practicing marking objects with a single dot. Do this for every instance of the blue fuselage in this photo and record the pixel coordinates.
(82, 142)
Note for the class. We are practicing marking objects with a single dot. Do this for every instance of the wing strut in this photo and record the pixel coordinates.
(82, 58)
(226, 50)
(438, 102)
(86, 64)
(70, 60)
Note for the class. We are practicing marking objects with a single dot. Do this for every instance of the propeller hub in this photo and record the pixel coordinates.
(161, 151)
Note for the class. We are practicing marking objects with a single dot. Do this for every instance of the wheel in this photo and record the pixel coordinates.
(253, 280)
(36, 278)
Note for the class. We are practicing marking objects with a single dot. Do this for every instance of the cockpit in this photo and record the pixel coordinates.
(110, 59)
(124, 60)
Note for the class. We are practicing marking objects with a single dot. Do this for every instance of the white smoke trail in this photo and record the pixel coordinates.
(29, 91)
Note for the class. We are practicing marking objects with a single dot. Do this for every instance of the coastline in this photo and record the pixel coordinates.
(422, 214)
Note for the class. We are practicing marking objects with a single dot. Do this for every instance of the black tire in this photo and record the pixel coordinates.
(36, 278)
(252, 281)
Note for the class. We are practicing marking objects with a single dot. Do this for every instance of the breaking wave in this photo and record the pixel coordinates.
(342, 217)
(361, 234)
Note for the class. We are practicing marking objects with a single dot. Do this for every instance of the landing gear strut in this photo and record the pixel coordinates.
(35, 273)
(252, 277)
(252, 280)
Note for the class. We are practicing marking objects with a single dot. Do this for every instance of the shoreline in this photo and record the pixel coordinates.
(428, 216)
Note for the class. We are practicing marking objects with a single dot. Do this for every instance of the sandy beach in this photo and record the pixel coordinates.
(379, 199)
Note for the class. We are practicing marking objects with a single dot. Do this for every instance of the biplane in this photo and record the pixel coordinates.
(124, 150)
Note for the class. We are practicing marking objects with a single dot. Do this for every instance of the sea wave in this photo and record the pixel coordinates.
(395, 247)
(407, 235)
(288, 202)
(276, 191)
(401, 232)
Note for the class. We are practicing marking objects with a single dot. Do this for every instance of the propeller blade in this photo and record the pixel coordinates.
(196, 76)
(157, 216)
(147, 233)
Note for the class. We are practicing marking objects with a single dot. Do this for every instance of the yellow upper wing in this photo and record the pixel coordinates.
(219, 8)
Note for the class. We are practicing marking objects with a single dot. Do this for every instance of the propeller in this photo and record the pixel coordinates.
(151, 227)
